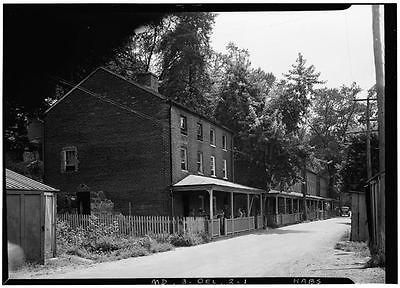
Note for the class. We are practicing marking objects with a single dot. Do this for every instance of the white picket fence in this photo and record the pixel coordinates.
(155, 226)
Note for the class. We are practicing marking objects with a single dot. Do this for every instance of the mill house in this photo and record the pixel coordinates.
(147, 153)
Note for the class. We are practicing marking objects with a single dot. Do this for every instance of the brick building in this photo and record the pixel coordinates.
(148, 154)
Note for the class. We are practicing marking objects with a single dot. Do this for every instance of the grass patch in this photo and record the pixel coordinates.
(359, 248)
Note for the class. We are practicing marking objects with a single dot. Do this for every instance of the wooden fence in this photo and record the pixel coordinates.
(155, 226)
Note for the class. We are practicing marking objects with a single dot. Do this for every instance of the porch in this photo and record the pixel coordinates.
(228, 207)
(284, 208)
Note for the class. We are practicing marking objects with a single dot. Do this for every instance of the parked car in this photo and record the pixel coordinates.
(345, 211)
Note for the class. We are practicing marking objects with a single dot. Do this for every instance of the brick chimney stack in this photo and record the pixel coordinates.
(148, 79)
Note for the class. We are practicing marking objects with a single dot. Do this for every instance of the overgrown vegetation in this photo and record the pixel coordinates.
(101, 242)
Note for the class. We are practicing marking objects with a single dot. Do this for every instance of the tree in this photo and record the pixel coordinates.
(184, 52)
(298, 88)
(335, 114)
(353, 170)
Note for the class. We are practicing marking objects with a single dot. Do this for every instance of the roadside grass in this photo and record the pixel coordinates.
(359, 248)
(98, 243)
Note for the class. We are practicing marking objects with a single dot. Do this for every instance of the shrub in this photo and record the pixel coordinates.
(101, 242)
(187, 239)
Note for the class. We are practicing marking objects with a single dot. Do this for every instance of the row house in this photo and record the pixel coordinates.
(145, 152)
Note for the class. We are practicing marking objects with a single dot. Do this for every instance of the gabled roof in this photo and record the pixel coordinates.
(15, 181)
(151, 91)
(197, 182)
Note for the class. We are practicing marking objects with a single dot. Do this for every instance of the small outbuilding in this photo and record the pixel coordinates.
(31, 216)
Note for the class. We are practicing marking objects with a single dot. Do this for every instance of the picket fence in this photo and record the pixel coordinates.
(154, 226)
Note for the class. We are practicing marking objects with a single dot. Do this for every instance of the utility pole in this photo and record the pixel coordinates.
(379, 57)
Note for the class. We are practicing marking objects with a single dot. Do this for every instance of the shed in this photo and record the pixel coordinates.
(31, 214)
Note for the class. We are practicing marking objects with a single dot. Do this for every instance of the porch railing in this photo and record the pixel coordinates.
(215, 227)
(239, 224)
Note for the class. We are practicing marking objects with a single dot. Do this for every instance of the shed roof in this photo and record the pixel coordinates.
(15, 181)
(196, 182)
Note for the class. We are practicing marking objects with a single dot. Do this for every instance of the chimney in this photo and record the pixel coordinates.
(148, 79)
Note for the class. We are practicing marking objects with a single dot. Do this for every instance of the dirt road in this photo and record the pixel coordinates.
(286, 251)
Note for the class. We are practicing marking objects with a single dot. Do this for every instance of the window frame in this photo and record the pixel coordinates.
(183, 148)
(183, 124)
(225, 169)
(201, 136)
(64, 159)
(212, 166)
(224, 142)
(200, 162)
(213, 139)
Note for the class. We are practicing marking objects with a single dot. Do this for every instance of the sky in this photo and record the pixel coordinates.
(338, 43)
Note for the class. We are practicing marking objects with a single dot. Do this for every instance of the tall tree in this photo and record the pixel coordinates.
(184, 52)
(335, 115)
(299, 86)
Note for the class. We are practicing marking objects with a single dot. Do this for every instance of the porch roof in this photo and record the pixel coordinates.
(296, 194)
(196, 182)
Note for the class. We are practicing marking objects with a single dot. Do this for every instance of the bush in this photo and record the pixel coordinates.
(187, 239)
(102, 243)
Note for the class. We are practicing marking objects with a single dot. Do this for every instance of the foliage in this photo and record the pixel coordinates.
(101, 242)
(298, 88)
(188, 239)
(353, 168)
(184, 51)
(335, 115)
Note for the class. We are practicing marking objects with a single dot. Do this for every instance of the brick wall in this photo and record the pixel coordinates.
(193, 146)
(121, 153)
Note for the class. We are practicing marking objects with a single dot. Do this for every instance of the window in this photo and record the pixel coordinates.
(184, 158)
(200, 162)
(200, 131)
(69, 159)
(225, 171)
(224, 142)
(212, 137)
(183, 125)
(213, 166)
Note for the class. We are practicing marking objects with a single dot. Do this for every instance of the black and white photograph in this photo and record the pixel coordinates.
(199, 143)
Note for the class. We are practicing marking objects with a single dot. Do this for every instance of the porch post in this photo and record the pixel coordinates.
(211, 212)
(298, 205)
(248, 210)
(232, 205)
(261, 212)
(284, 202)
(292, 209)
(248, 205)
(276, 205)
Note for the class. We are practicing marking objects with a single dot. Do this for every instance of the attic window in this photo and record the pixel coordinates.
(69, 159)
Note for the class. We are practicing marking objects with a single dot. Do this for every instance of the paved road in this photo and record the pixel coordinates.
(277, 252)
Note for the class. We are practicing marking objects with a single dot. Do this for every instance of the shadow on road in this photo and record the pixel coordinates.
(345, 223)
